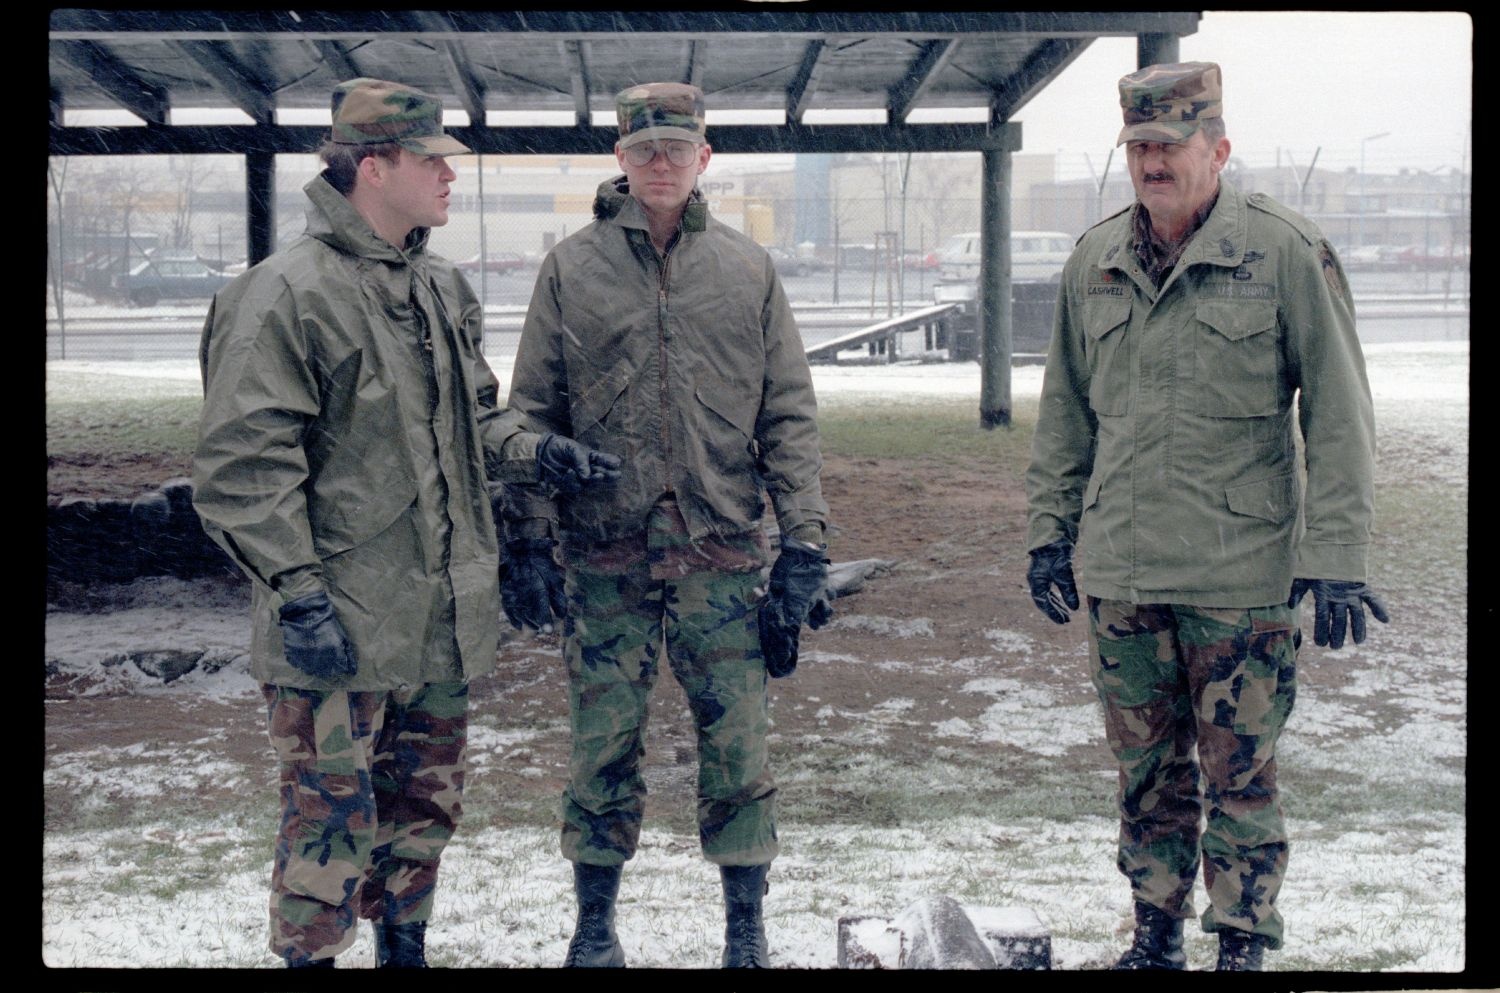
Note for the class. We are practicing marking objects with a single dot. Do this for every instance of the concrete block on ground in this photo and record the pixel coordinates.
(870, 943)
(939, 933)
(1016, 936)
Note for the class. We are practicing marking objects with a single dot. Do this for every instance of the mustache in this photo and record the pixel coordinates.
(1157, 177)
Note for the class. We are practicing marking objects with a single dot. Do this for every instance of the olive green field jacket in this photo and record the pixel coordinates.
(1167, 435)
(688, 366)
(339, 452)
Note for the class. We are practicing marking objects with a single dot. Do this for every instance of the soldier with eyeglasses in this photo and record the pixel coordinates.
(661, 335)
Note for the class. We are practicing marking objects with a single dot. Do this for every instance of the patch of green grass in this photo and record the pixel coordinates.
(924, 427)
(88, 414)
(1421, 530)
(835, 782)
(486, 803)
(1345, 800)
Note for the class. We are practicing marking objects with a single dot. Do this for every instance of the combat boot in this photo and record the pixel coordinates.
(744, 922)
(594, 944)
(1158, 941)
(1240, 951)
(401, 946)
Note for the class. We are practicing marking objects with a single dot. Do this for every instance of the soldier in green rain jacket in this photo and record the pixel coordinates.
(349, 426)
(1197, 331)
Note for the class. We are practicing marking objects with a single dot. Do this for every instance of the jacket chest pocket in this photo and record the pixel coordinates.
(1237, 359)
(1105, 347)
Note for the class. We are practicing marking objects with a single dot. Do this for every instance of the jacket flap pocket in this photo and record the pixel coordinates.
(1237, 319)
(1273, 499)
(344, 520)
(730, 404)
(596, 401)
(1101, 315)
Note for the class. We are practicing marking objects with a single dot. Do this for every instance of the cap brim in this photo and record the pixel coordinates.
(1166, 132)
(437, 144)
(662, 133)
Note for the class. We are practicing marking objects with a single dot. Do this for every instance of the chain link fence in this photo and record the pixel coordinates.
(155, 236)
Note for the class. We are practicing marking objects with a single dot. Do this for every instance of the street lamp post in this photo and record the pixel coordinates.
(1362, 142)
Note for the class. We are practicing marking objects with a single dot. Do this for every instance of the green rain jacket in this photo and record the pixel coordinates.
(1166, 437)
(689, 366)
(349, 423)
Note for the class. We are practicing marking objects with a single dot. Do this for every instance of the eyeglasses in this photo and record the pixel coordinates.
(679, 153)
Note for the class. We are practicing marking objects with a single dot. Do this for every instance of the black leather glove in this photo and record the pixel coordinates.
(531, 583)
(565, 464)
(314, 640)
(778, 642)
(1052, 565)
(1338, 604)
(796, 594)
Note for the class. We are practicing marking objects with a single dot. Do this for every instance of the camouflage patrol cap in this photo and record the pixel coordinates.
(660, 111)
(1166, 102)
(375, 112)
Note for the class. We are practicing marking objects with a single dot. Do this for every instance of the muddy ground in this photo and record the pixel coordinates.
(955, 590)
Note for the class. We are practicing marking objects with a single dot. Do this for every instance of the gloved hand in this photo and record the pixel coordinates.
(314, 640)
(1338, 603)
(565, 464)
(1052, 565)
(778, 642)
(797, 593)
(531, 584)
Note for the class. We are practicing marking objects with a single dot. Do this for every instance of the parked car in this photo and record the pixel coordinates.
(1364, 256)
(1035, 256)
(790, 264)
(915, 261)
(169, 277)
(1404, 258)
(498, 262)
(1436, 257)
(858, 256)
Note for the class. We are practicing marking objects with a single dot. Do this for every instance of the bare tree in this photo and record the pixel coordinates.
(57, 176)
(945, 196)
(183, 170)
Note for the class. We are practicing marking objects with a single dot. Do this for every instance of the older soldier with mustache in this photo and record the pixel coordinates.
(1197, 330)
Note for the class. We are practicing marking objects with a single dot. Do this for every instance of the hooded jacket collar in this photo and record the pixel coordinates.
(613, 200)
(332, 219)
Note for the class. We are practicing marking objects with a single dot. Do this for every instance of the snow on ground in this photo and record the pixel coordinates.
(506, 898)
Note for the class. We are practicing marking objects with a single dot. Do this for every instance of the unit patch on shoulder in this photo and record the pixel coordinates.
(1331, 273)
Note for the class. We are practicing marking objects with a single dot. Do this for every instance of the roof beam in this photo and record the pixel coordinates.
(924, 25)
(1050, 58)
(115, 78)
(576, 54)
(338, 59)
(697, 52)
(232, 79)
(461, 75)
(737, 138)
(804, 85)
(924, 68)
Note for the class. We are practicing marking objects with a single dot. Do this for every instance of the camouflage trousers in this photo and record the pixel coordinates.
(371, 787)
(1174, 679)
(618, 624)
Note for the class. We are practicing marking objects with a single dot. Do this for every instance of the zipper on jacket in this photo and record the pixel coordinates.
(661, 339)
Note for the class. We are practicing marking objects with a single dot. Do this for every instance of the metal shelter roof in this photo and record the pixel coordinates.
(745, 58)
